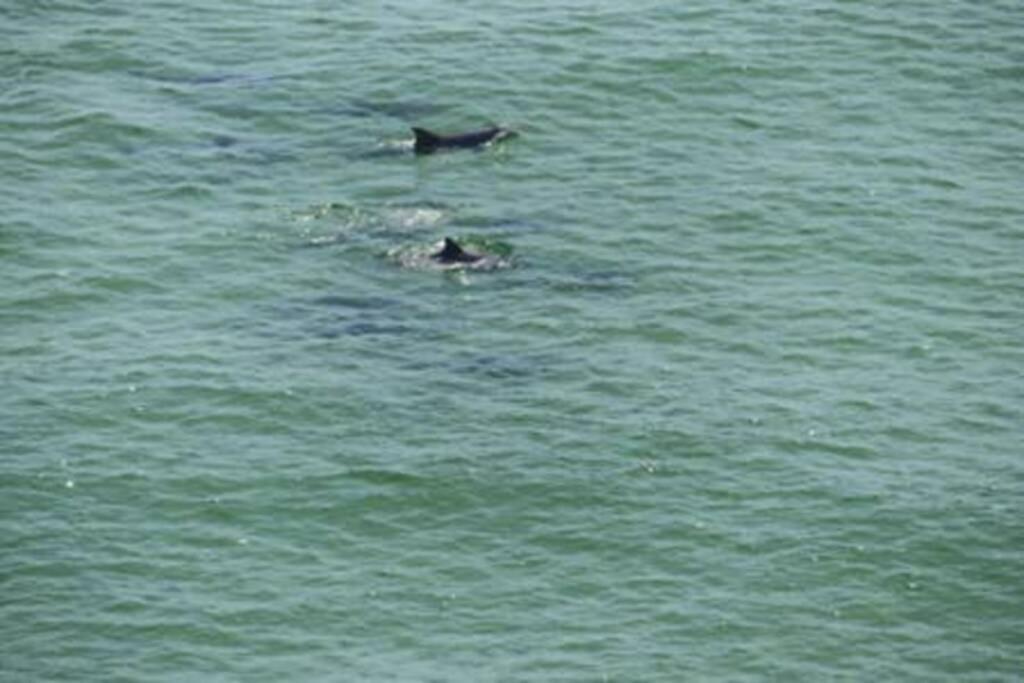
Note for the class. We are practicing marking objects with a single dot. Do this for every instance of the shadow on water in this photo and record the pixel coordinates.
(356, 303)
(227, 79)
(337, 316)
(490, 366)
(409, 111)
(384, 150)
(361, 328)
(584, 281)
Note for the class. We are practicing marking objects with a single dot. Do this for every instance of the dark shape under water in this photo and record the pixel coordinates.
(451, 252)
(224, 141)
(428, 142)
(405, 110)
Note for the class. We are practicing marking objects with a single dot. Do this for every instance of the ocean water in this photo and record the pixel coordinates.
(748, 405)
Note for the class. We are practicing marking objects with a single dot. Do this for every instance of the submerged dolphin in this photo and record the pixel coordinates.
(428, 142)
(451, 252)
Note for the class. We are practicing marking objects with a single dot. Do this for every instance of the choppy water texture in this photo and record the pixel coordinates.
(748, 406)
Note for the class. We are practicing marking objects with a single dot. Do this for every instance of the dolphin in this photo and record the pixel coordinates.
(451, 252)
(428, 142)
(448, 255)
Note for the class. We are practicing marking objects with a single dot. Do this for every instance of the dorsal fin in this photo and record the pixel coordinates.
(426, 141)
(451, 252)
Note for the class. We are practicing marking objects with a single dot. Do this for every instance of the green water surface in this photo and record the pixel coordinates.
(747, 407)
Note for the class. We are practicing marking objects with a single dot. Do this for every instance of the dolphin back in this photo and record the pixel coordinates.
(426, 141)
